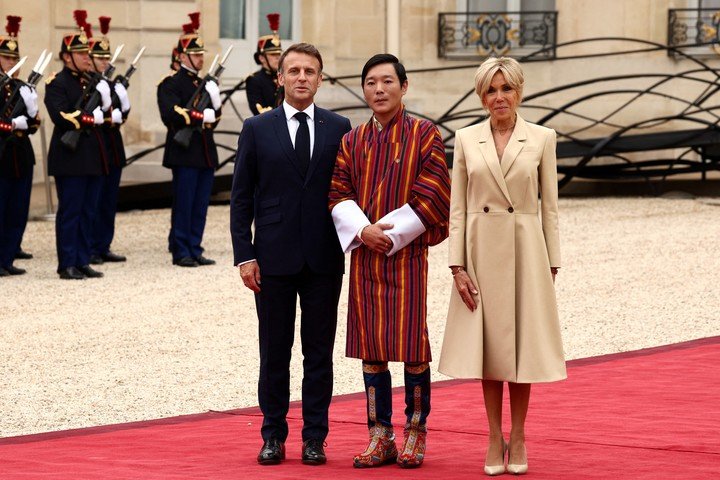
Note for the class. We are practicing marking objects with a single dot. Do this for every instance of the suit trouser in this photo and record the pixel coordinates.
(276, 303)
(14, 208)
(191, 197)
(77, 207)
(104, 229)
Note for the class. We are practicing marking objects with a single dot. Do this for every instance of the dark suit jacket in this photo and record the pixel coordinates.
(293, 225)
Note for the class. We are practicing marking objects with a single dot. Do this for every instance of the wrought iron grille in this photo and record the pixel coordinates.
(694, 26)
(469, 35)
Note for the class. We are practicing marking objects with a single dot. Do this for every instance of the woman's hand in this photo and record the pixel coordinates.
(465, 288)
(553, 271)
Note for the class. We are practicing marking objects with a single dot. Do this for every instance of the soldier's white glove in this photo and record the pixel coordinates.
(214, 92)
(104, 90)
(116, 116)
(122, 95)
(19, 123)
(208, 115)
(30, 97)
(98, 117)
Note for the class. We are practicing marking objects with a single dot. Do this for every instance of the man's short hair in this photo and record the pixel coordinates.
(305, 48)
(381, 58)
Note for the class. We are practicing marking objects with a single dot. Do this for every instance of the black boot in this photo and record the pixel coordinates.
(417, 409)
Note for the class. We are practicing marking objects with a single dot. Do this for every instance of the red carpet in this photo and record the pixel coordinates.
(651, 414)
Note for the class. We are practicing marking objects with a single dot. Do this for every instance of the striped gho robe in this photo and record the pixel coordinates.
(396, 175)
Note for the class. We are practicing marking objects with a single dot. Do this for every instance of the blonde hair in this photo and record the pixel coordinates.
(509, 67)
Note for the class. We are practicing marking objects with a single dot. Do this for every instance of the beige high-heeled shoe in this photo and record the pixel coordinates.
(517, 468)
(495, 470)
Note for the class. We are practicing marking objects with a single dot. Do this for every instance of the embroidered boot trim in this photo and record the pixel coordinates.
(413, 452)
(380, 451)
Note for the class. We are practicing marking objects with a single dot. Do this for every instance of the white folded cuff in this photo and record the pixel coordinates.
(407, 226)
(348, 218)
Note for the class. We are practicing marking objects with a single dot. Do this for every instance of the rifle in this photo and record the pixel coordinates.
(201, 99)
(125, 79)
(13, 106)
(90, 100)
(5, 78)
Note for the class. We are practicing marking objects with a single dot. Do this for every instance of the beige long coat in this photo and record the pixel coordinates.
(497, 235)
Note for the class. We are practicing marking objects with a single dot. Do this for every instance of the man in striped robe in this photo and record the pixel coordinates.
(389, 198)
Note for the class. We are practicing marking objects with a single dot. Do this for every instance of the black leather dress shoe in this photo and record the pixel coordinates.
(22, 255)
(4, 273)
(71, 273)
(96, 260)
(313, 452)
(113, 257)
(14, 270)
(272, 452)
(186, 262)
(89, 272)
(204, 261)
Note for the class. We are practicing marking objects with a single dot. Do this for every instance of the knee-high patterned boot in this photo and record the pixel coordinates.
(378, 388)
(417, 409)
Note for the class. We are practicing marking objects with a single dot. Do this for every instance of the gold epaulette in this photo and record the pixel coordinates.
(51, 78)
(166, 77)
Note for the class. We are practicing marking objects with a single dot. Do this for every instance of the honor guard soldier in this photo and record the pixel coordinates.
(193, 164)
(79, 166)
(18, 120)
(174, 66)
(263, 93)
(104, 229)
(174, 60)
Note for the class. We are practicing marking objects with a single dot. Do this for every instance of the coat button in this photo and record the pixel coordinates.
(510, 209)
(486, 209)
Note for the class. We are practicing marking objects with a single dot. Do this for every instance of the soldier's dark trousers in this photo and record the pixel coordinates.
(104, 229)
(77, 207)
(191, 197)
(14, 206)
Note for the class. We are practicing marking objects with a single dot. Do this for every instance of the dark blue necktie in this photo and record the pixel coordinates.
(302, 142)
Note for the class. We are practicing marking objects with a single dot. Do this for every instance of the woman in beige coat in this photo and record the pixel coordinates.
(502, 322)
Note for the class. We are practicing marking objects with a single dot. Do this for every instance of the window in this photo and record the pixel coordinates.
(242, 22)
(232, 19)
(509, 5)
(480, 28)
(284, 8)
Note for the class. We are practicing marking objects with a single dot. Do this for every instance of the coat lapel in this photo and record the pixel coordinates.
(514, 146)
(319, 145)
(487, 149)
(283, 135)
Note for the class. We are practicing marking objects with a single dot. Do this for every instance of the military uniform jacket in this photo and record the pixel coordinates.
(112, 138)
(62, 93)
(17, 156)
(261, 91)
(173, 95)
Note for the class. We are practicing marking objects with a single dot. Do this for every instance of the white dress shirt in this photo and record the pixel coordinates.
(293, 123)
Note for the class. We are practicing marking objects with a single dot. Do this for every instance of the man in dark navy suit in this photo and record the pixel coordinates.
(283, 168)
